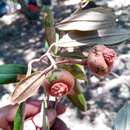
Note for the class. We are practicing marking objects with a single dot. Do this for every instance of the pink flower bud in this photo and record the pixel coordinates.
(100, 60)
(59, 82)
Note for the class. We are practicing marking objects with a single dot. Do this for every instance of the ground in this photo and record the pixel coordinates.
(21, 41)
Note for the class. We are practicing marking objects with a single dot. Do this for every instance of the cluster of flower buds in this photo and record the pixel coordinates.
(59, 82)
(100, 60)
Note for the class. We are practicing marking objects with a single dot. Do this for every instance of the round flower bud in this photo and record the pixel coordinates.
(59, 82)
(100, 60)
(33, 8)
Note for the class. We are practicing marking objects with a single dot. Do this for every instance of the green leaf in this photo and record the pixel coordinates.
(12, 69)
(122, 121)
(77, 98)
(19, 118)
(46, 44)
(77, 71)
(45, 125)
(9, 72)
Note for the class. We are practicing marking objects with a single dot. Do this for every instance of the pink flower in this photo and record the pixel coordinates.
(59, 82)
(100, 60)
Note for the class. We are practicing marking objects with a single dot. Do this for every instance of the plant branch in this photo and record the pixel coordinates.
(48, 20)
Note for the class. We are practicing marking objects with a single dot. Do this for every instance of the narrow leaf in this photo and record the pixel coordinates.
(27, 87)
(77, 98)
(19, 118)
(45, 125)
(11, 72)
(8, 78)
(77, 71)
(122, 121)
(86, 20)
(92, 14)
(110, 37)
(86, 25)
(12, 69)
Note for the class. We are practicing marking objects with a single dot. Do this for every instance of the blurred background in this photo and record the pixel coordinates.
(22, 39)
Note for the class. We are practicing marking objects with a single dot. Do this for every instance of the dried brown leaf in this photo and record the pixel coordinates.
(27, 87)
(86, 20)
(85, 25)
(109, 36)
